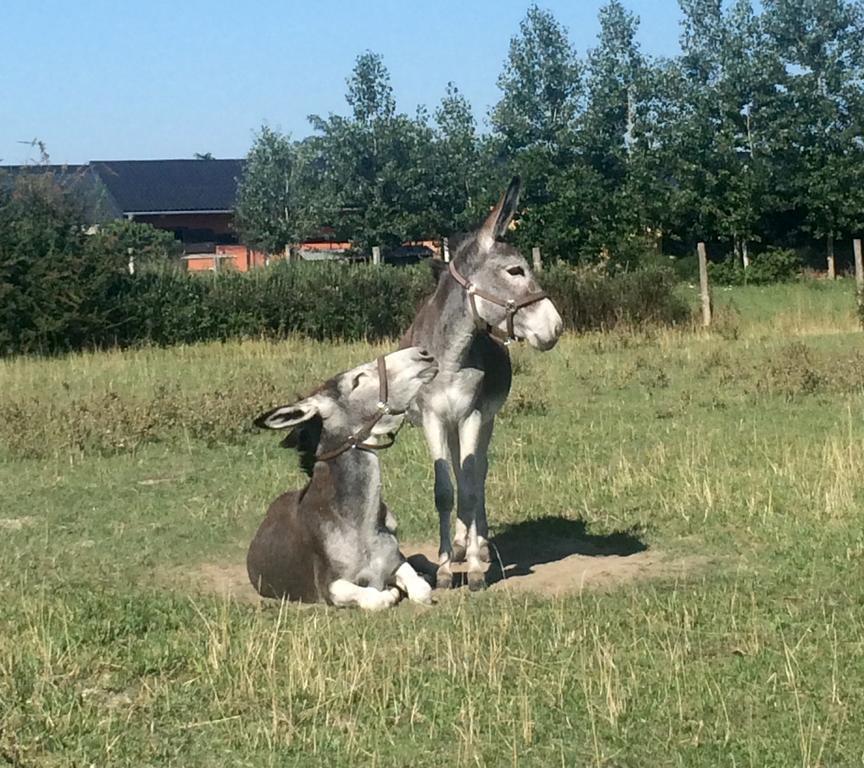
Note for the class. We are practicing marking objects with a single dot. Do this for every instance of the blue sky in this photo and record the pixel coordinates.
(99, 80)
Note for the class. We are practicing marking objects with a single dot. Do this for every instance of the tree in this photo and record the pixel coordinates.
(373, 173)
(370, 94)
(56, 291)
(540, 85)
(146, 244)
(462, 177)
(725, 141)
(534, 135)
(613, 135)
(820, 45)
(270, 200)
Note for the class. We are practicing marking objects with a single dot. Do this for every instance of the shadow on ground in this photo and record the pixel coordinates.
(552, 555)
(547, 557)
(520, 547)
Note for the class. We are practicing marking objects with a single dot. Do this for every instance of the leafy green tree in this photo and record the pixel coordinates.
(726, 137)
(370, 94)
(464, 183)
(821, 46)
(56, 293)
(373, 173)
(534, 135)
(614, 134)
(540, 85)
(272, 200)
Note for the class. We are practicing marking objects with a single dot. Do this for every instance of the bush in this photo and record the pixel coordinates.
(775, 265)
(336, 301)
(591, 299)
(55, 292)
(149, 246)
(316, 300)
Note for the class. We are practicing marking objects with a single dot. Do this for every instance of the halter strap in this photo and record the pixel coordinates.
(511, 305)
(358, 438)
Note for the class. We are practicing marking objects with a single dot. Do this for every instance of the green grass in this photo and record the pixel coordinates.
(741, 448)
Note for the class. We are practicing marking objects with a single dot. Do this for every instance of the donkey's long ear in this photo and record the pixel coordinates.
(502, 214)
(286, 416)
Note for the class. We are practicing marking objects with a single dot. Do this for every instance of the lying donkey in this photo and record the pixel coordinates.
(334, 541)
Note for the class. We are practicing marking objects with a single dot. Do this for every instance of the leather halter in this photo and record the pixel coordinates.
(511, 305)
(357, 439)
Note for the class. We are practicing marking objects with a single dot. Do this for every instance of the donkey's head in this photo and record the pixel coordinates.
(353, 404)
(498, 269)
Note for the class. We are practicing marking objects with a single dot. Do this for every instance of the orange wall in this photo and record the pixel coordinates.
(237, 257)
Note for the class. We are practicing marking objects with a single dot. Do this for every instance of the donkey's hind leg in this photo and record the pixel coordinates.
(344, 594)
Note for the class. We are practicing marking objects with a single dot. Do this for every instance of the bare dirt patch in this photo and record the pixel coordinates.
(547, 557)
(227, 580)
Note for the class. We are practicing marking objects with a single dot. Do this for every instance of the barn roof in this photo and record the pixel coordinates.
(171, 186)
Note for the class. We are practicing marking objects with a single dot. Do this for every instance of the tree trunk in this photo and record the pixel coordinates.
(745, 254)
(831, 271)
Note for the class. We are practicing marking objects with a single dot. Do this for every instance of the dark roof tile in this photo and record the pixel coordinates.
(149, 186)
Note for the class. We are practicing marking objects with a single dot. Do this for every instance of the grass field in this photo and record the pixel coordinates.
(738, 451)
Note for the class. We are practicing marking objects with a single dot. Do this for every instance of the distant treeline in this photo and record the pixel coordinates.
(751, 137)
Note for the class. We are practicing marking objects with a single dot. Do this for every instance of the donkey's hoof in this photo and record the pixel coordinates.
(444, 580)
(484, 552)
(458, 554)
(476, 582)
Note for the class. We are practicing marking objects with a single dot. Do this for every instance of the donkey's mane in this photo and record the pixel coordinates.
(456, 242)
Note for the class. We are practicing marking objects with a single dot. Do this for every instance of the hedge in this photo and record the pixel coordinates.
(323, 301)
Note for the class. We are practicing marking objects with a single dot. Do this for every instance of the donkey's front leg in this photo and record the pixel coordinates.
(344, 593)
(413, 585)
(436, 437)
(473, 443)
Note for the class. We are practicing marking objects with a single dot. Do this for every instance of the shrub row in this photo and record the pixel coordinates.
(591, 299)
(775, 265)
(314, 300)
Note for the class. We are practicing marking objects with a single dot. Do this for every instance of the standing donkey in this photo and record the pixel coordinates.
(485, 298)
(333, 541)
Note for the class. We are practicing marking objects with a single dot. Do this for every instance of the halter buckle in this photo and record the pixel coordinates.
(470, 289)
(384, 408)
(511, 305)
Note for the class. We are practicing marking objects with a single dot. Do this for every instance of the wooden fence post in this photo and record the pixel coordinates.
(445, 247)
(376, 255)
(859, 264)
(537, 258)
(703, 284)
(831, 271)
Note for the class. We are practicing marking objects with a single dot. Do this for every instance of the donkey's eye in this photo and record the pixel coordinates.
(516, 271)
(356, 381)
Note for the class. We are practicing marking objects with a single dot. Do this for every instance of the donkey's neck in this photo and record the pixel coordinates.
(354, 480)
(453, 328)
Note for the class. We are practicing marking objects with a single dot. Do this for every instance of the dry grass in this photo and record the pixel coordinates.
(743, 450)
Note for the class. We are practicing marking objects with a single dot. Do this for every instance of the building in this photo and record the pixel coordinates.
(193, 199)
